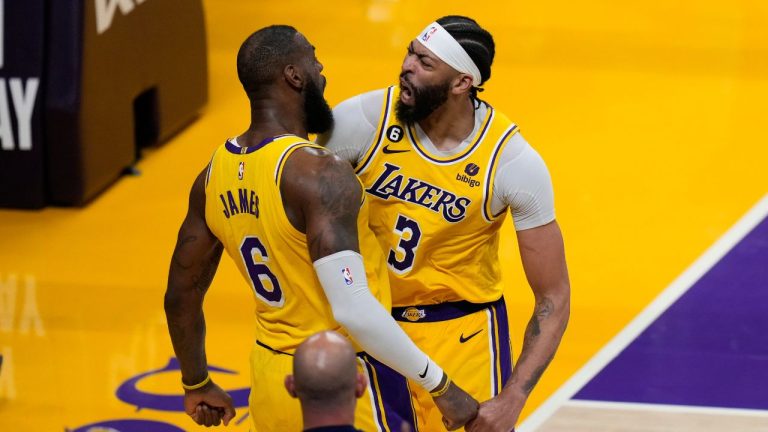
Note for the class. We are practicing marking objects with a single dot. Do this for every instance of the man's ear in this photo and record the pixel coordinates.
(360, 385)
(461, 84)
(290, 385)
(293, 76)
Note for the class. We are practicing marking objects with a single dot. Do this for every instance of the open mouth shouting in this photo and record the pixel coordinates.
(406, 92)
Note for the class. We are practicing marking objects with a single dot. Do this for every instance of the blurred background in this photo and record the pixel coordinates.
(648, 114)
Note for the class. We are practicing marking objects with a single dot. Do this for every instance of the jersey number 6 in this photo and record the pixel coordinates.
(259, 273)
(410, 234)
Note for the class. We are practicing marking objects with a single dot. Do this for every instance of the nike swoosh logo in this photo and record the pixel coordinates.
(422, 375)
(387, 150)
(463, 339)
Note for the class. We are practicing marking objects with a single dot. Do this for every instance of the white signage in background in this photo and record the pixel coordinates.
(105, 11)
(30, 314)
(8, 288)
(23, 98)
(30, 319)
(2, 33)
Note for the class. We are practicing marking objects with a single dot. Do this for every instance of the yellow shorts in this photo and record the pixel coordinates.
(469, 341)
(385, 405)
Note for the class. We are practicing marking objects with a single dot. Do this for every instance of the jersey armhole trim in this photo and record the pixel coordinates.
(283, 216)
(491, 175)
(362, 189)
(286, 154)
(210, 168)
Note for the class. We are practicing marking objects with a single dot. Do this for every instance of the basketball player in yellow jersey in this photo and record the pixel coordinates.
(441, 168)
(287, 212)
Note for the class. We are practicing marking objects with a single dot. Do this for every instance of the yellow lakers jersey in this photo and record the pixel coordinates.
(244, 210)
(432, 213)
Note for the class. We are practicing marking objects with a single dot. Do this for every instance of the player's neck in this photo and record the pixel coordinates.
(450, 124)
(270, 118)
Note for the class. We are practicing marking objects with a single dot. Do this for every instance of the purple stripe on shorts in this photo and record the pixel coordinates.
(373, 385)
(494, 353)
(505, 350)
(395, 395)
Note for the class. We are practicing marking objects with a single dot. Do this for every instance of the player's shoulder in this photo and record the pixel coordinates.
(312, 175)
(315, 162)
(374, 96)
(365, 106)
(499, 117)
(506, 127)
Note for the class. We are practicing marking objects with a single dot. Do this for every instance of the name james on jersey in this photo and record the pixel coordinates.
(247, 202)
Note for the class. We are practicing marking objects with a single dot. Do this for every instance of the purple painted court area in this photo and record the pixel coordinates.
(710, 348)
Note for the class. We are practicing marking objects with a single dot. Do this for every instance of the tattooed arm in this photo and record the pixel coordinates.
(193, 265)
(322, 198)
(543, 256)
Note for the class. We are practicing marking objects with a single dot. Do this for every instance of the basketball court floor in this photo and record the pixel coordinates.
(651, 117)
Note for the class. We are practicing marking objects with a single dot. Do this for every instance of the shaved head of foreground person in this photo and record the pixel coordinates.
(327, 382)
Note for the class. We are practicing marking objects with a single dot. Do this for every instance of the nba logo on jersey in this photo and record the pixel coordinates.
(241, 170)
(347, 276)
(427, 34)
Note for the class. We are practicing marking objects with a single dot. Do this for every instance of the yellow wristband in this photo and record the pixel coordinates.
(438, 393)
(198, 385)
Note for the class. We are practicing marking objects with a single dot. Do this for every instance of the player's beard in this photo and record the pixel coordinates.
(425, 101)
(316, 109)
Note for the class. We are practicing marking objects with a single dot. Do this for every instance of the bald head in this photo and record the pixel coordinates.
(325, 370)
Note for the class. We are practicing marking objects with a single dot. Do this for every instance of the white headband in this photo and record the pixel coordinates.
(436, 39)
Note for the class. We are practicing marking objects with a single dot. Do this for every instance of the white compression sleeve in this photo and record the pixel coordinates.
(354, 127)
(342, 276)
(524, 185)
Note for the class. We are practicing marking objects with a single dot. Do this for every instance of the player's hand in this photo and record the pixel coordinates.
(209, 405)
(494, 415)
(457, 407)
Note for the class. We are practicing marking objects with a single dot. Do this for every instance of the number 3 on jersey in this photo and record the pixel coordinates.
(410, 234)
(259, 273)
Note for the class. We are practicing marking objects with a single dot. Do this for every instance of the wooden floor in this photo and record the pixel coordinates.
(650, 116)
(606, 417)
